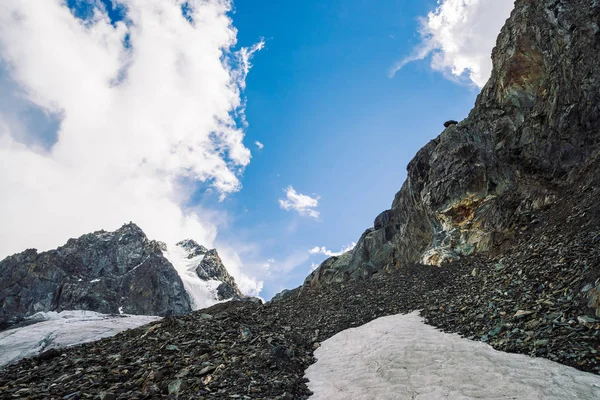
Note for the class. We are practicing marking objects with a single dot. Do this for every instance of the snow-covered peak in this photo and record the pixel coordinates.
(185, 260)
(204, 276)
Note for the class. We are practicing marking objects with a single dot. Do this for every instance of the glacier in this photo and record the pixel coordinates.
(67, 328)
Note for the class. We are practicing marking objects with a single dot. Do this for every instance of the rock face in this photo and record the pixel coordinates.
(533, 134)
(212, 267)
(194, 249)
(107, 272)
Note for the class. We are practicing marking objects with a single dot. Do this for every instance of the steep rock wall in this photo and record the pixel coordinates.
(107, 272)
(534, 128)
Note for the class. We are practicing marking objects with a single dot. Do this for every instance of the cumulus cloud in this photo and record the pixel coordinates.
(145, 111)
(259, 145)
(459, 35)
(324, 251)
(305, 205)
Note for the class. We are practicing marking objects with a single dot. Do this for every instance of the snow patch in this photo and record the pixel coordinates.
(400, 357)
(139, 265)
(202, 293)
(67, 328)
(95, 280)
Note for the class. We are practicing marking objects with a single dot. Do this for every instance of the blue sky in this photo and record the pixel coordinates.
(332, 121)
(137, 115)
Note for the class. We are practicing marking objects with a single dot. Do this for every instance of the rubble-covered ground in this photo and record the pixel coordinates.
(531, 298)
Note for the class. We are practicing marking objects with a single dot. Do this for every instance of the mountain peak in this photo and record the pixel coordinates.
(107, 272)
(192, 247)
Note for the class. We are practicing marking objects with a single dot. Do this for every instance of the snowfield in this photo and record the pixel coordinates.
(400, 357)
(66, 328)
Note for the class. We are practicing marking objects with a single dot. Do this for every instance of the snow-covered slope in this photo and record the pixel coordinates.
(63, 329)
(203, 293)
(400, 357)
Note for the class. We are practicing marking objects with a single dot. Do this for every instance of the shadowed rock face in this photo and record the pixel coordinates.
(100, 271)
(534, 130)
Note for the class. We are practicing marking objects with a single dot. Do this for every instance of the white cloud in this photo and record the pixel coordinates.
(245, 55)
(245, 276)
(460, 35)
(302, 203)
(259, 145)
(140, 125)
(323, 250)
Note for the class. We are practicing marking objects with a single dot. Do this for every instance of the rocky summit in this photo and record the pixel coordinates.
(107, 272)
(111, 273)
(494, 235)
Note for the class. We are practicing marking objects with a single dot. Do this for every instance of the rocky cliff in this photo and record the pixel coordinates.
(113, 272)
(108, 272)
(532, 135)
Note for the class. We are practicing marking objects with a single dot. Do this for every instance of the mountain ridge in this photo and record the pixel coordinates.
(532, 129)
(107, 272)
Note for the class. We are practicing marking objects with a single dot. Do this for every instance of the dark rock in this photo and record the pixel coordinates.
(176, 386)
(100, 271)
(49, 354)
(448, 124)
(211, 268)
(194, 249)
(282, 295)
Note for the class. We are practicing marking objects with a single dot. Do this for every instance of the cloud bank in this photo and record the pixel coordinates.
(301, 203)
(117, 121)
(459, 35)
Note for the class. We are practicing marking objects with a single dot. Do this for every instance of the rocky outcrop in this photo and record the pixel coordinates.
(533, 132)
(211, 268)
(107, 272)
(194, 249)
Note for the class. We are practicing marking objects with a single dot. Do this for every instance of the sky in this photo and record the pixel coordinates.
(274, 131)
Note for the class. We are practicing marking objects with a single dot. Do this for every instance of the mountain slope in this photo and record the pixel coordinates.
(203, 274)
(533, 131)
(107, 272)
(114, 273)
